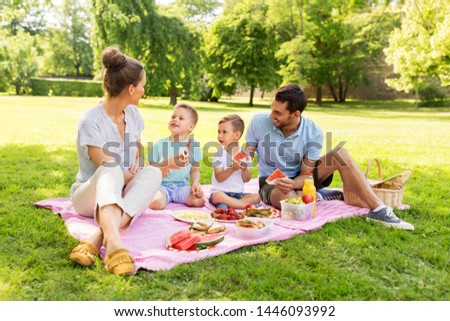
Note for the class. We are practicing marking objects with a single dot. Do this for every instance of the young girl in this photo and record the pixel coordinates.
(230, 176)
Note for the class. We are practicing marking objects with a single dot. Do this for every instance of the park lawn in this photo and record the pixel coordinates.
(350, 259)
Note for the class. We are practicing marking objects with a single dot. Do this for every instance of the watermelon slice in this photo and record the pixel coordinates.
(178, 237)
(187, 243)
(277, 173)
(242, 157)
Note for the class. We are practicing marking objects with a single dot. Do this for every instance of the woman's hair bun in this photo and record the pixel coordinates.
(113, 59)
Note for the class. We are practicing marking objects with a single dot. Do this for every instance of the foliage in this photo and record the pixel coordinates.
(420, 48)
(26, 15)
(67, 50)
(165, 45)
(66, 87)
(348, 260)
(338, 46)
(432, 95)
(195, 10)
(240, 49)
(18, 60)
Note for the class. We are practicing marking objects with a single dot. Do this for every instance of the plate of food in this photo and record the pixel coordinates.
(226, 215)
(189, 240)
(190, 216)
(253, 227)
(277, 174)
(209, 227)
(262, 212)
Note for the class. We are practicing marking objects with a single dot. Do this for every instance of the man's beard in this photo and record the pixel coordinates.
(286, 123)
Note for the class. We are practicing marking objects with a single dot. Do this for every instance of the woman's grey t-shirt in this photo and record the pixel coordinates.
(96, 128)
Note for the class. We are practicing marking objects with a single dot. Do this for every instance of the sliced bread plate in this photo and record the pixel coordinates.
(190, 216)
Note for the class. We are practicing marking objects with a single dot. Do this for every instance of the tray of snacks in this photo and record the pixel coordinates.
(295, 209)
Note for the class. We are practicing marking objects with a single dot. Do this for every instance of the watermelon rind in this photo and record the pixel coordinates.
(209, 241)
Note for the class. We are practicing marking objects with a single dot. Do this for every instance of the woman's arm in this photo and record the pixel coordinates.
(98, 157)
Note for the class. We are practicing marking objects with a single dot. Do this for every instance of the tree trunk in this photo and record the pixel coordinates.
(173, 95)
(252, 92)
(416, 101)
(319, 95)
(291, 19)
(333, 93)
(262, 94)
(345, 90)
(341, 91)
(300, 13)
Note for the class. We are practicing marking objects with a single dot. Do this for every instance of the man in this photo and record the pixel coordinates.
(287, 140)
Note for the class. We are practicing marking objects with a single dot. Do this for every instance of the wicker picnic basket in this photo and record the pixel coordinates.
(389, 190)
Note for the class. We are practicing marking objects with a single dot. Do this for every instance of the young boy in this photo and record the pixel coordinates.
(229, 176)
(175, 186)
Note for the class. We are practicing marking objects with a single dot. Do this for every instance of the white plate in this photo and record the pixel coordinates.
(253, 233)
(190, 216)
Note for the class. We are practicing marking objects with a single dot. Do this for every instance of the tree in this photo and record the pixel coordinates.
(339, 43)
(68, 49)
(240, 49)
(419, 50)
(196, 10)
(174, 62)
(26, 15)
(18, 60)
(165, 45)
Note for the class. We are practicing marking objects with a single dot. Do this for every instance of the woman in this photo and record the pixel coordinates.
(111, 185)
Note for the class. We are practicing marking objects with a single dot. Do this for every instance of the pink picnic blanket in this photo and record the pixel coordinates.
(146, 238)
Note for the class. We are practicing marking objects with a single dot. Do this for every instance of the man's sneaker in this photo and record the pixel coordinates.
(326, 194)
(387, 217)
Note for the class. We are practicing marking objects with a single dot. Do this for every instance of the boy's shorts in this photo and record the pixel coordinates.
(266, 189)
(176, 193)
(230, 194)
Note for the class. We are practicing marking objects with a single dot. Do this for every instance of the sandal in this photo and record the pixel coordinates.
(120, 262)
(84, 253)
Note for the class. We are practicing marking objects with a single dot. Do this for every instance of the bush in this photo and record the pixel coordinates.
(432, 96)
(66, 87)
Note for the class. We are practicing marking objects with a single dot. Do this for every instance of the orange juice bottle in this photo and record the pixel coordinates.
(309, 188)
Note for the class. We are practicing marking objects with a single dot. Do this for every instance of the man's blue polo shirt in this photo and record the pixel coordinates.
(286, 153)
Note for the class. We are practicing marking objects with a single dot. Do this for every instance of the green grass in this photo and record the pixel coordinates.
(346, 260)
